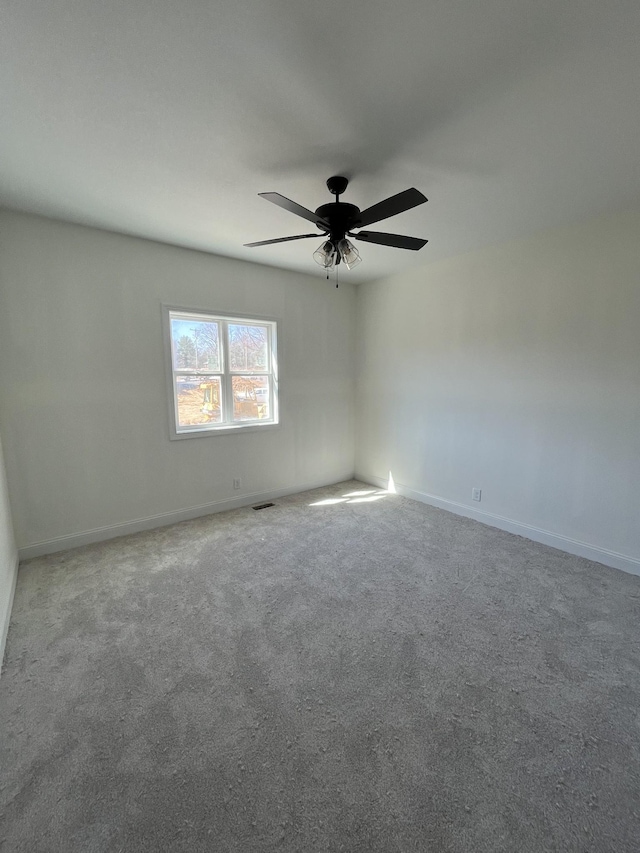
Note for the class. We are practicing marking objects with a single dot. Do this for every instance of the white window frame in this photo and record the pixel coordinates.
(228, 427)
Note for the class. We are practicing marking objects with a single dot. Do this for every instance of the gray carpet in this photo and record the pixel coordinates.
(369, 675)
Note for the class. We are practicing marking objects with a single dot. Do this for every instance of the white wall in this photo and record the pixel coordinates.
(8, 558)
(515, 369)
(83, 406)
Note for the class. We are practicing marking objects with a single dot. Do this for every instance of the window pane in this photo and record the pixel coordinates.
(199, 400)
(251, 398)
(196, 345)
(248, 347)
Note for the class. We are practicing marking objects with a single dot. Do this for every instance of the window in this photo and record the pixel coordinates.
(224, 372)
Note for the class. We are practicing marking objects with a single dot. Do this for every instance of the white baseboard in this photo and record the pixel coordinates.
(100, 534)
(554, 540)
(545, 537)
(6, 616)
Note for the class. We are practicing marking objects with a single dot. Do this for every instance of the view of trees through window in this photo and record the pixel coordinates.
(197, 345)
(247, 347)
(222, 371)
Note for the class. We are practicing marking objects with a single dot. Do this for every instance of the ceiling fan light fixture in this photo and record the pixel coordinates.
(349, 254)
(325, 255)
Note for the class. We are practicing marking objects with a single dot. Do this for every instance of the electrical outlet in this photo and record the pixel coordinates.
(238, 482)
(476, 494)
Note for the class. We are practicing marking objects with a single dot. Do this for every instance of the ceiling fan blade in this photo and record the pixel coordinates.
(399, 241)
(390, 206)
(293, 207)
(282, 240)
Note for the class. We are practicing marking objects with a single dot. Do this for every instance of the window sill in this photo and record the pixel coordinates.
(227, 429)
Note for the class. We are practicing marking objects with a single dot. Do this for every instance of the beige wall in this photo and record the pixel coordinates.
(516, 370)
(83, 407)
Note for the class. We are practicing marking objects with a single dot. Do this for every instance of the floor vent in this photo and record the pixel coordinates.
(263, 506)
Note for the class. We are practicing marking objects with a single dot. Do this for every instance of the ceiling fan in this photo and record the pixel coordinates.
(336, 220)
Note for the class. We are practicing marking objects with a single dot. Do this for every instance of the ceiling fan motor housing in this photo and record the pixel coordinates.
(342, 217)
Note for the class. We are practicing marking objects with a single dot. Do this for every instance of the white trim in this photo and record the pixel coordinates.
(5, 617)
(537, 534)
(228, 429)
(100, 534)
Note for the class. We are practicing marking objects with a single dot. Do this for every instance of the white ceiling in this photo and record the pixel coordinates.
(165, 119)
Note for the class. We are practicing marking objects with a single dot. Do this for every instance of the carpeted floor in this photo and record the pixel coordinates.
(366, 675)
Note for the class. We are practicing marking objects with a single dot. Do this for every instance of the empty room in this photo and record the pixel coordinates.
(320, 427)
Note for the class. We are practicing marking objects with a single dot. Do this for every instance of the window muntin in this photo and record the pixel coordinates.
(224, 372)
